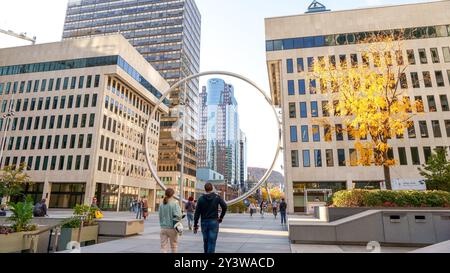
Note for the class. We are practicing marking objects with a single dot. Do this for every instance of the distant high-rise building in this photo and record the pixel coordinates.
(167, 34)
(219, 143)
(243, 171)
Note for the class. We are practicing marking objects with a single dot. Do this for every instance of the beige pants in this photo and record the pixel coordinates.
(169, 237)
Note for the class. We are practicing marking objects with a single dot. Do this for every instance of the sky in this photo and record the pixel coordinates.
(232, 40)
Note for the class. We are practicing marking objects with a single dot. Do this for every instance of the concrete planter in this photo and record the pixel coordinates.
(16, 242)
(88, 234)
(335, 214)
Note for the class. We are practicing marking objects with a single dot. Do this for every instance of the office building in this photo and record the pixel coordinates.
(167, 34)
(219, 143)
(293, 43)
(243, 169)
(80, 111)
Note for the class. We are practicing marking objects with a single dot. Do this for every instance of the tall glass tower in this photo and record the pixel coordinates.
(167, 34)
(219, 143)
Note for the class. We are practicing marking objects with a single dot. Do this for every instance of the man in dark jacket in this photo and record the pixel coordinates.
(283, 207)
(208, 210)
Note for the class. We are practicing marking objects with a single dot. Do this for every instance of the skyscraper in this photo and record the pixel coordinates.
(313, 161)
(167, 34)
(219, 143)
(243, 175)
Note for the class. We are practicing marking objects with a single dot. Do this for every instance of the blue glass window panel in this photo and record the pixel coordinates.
(301, 87)
(306, 158)
(312, 86)
(288, 44)
(290, 66)
(318, 158)
(310, 63)
(303, 110)
(300, 65)
(319, 41)
(278, 45)
(298, 43)
(291, 88)
(308, 42)
(305, 133)
(316, 133)
(314, 109)
(294, 137)
(269, 45)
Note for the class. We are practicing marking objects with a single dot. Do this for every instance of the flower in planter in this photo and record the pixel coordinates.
(6, 230)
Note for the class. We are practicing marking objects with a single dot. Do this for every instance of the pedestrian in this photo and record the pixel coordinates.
(131, 205)
(145, 208)
(139, 209)
(208, 210)
(275, 209)
(283, 207)
(40, 209)
(252, 209)
(2, 210)
(169, 216)
(190, 209)
(261, 207)
(94, 203)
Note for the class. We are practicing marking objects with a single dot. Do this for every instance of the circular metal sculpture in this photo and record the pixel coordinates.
(224, 73)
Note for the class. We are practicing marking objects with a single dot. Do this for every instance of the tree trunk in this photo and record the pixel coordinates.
(387, 177)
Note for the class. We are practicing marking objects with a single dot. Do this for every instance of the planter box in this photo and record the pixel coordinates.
(343, 212)
(16, 242)
(88, 234)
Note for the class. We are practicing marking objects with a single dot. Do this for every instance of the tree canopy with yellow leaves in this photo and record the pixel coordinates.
(369, 99)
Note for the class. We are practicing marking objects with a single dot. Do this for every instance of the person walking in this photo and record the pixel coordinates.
(252, 209)
(139, 209)
(261, 207)
(283, 207)
(275, 209)
(208, 210)
(145, 208)
(40, 209)
(169, 215)
(190, 209)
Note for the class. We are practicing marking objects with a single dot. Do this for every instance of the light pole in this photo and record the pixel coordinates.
(183, 139)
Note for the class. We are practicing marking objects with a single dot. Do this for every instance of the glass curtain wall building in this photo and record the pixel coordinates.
(220, 136)
(167, 34)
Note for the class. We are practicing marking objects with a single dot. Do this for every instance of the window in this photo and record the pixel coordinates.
(325, 110)
(78, 162)
(86, 101)
(446, 51)
(37, 163)
(427, 153)
(61, 163)
(81, 82)
(33, 143)
(354, 60)
(49, 142)
(80, 141)
(327, 133)
(66, 83)
(343, 61)
(89, 141)
(94, 100)
(70, 102)
(415, 80)
(411, 56)
(339, 132)
(341, 157)
(431, 104)
(439, 78)
(64, 142)
(294, 159)
(402, 156)
(290, 66)
(294, 137)
(412, 130)
(434, 55)
(55, 103)
(403, 81)
(353, 158)
(316, 133)
(423, 56)
(89, 81)
(448, 75)
(310, 64)
(291, 88)
(72, 141)
(301, 65)
(301, 87)
(97, 81)
(303, 110)
(56, 143)
(312, 87)
(447, 127)
(305, 133)
(45, 163)
(415, 156)
(419, 102)
(306, 158)
(69, 162)
(292, 110)
(329, 158)
(427, 79)
(318, 158)
(78, 102)
(50, 85)
(53, 163)
(423, 129)
(58, 84)
(86, 162)
(83, 120)
(332, 61)
(43, 85)
(436, 128)
(444, 103)
(75, 121)
(36, 86)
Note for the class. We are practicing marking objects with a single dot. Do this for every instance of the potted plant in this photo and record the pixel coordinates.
(13, 237)
(83, 220)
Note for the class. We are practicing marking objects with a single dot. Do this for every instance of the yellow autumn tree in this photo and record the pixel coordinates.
(369, 98)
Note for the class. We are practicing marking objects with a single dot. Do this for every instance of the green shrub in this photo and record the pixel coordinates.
(237, 208)
(379, 198)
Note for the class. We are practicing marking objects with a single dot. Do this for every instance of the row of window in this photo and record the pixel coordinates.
(51, 142)
(53, 122)
(403, 81)
(411, 33)
(117, 147)
(327, 108)
(44, 163)
(47, 103)
(351, 159)
(120, 167)
(354, 60)
(339, 132)
(49, 85)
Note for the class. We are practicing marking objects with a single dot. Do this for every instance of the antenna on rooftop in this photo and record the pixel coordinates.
(316, 7)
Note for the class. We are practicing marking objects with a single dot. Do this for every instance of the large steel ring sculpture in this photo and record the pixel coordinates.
(224, 73)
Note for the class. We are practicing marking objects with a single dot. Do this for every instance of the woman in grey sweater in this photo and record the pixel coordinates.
(169, 215)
